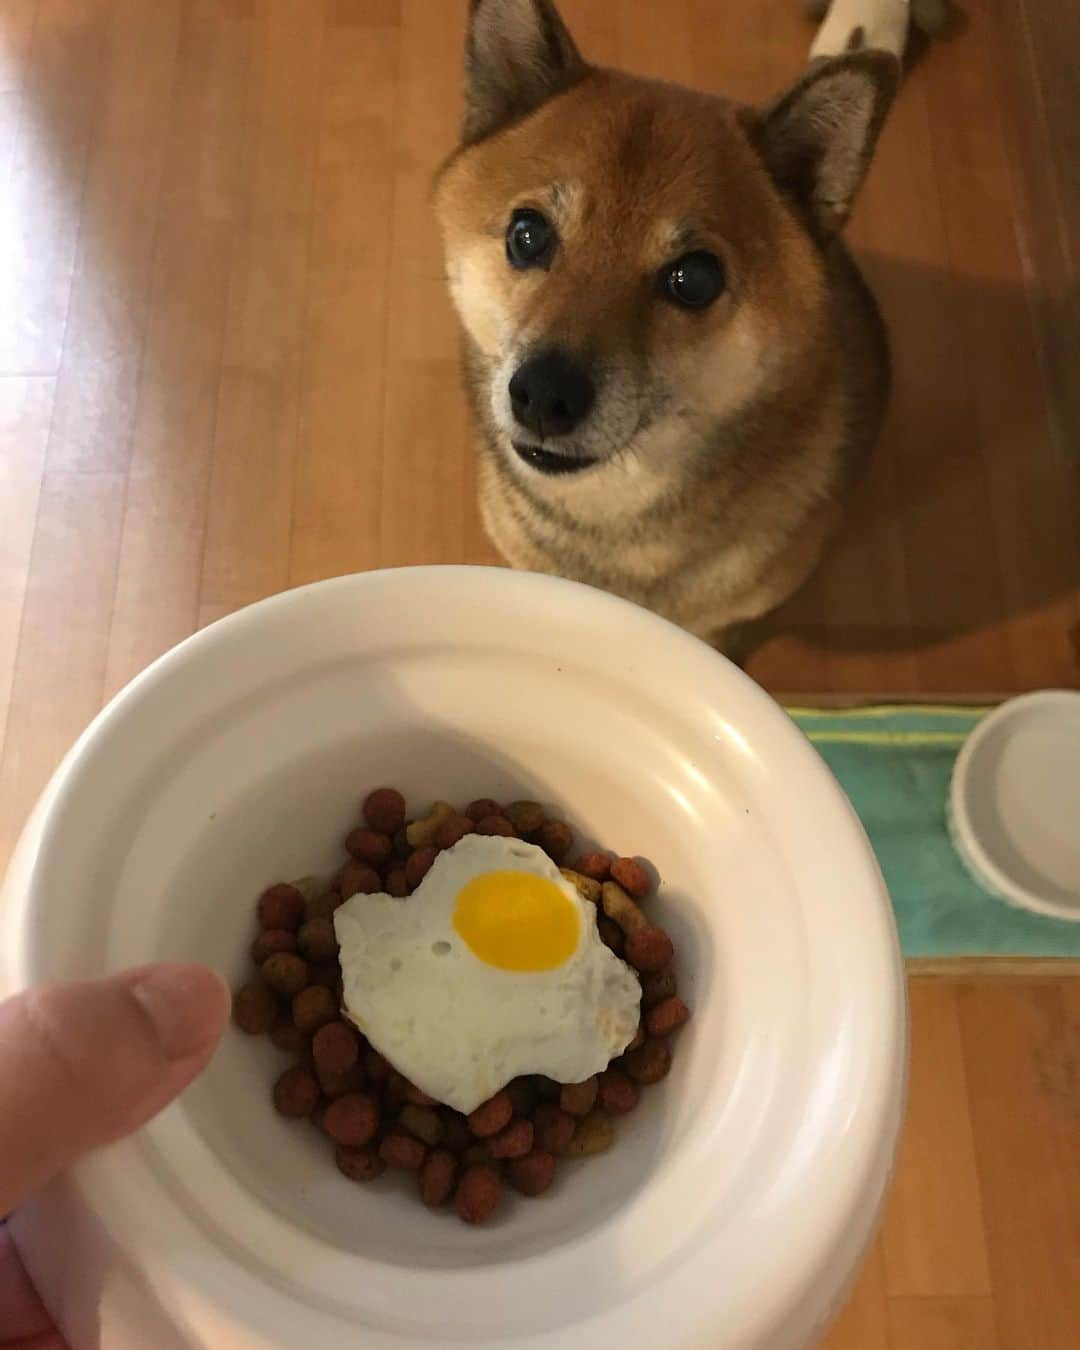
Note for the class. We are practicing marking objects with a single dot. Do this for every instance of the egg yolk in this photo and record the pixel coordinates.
(517, 921)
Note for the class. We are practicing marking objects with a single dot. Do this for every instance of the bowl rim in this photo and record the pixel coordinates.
(874, 1153)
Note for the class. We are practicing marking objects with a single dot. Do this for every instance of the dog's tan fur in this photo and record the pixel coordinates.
(725, 439)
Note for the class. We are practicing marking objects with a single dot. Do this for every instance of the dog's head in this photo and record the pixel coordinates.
(627, 255)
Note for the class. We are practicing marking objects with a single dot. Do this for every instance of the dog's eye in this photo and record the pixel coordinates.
(693, 281)
(530, 239)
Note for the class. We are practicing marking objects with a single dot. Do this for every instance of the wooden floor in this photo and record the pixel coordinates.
(227, 366)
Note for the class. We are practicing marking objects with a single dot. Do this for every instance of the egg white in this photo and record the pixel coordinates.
(461, 1029)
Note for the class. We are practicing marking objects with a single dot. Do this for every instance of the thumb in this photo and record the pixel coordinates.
(83, 1064)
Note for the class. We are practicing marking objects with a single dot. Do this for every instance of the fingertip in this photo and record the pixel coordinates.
(187, 1007)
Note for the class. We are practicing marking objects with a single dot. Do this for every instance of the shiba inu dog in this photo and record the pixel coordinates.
(674, 362)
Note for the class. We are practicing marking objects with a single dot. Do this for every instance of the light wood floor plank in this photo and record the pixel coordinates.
(201, 204)
(933, 1235)
(59, 667)
(249, 521)
(1021, 1053)
(335, 525)
(41, 205)
(17, 21)
(25, 411)
(106, 325)
(942, 1324)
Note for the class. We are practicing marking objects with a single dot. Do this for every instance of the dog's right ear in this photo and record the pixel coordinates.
(518, 54)
(818, 138)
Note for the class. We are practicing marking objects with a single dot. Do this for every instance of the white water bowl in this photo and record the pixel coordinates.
(738, 1200)
(1014, 803)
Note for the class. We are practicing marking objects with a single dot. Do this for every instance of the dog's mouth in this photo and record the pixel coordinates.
(551, 462)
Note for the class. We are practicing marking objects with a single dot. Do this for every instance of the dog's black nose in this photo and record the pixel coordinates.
(551, 393)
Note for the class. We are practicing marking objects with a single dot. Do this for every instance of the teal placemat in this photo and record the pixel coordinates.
(895, 764)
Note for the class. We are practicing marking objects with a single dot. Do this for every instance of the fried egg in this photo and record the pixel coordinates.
(492, 968)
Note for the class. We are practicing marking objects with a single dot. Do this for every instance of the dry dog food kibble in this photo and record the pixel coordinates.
(555, 839)
(649, 1063)
(618, 1094)
(316, 940)
(474, 1154)
(533, 1174)
(611, 935)
(352, 1120)
(457, 1136)
(492, 825)
(649, 949)
(287, 1036)
(631, 876)
(376, 1069)
(384, 810)
(282, 906)
(296, 1092)
(586, 887)
(492, 1116)
(381, 1123)
(526, 817)
(594, 865)
(416, 1096)
(402, 1150)
(595, 1134)
(512, 1142)
(667, 1017)
(397, 883)
(313, 1007)
(322, 906)
(423, 1122)
(328, 974)
(451, 830)
(478, 1193)
(437, 1177)
(336, 1047)
(554, 1128)
(359, 1164)
(358, 878)
(369, 846)
(482, 808)
(394, 1092)
(270, 943)
(621, 909)
(656, 986)
(254, 1009)
(523, 1094)
(418, 866)
(421, 833)
(578, 1099)
(335, 1085)
(285, 972)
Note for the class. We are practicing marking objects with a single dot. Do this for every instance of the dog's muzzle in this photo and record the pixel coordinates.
(551, 393)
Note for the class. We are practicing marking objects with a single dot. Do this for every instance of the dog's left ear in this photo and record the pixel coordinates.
(818, 138)
(518, 54)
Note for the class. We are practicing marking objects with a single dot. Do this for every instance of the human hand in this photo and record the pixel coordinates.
(82, 1065)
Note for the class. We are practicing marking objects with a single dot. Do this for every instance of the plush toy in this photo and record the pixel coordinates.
(884, 24)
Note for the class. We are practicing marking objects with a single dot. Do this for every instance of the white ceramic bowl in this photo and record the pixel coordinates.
(1014, 803)
(738, 1200)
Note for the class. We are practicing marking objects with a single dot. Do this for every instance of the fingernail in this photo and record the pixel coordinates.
(187, 1006)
